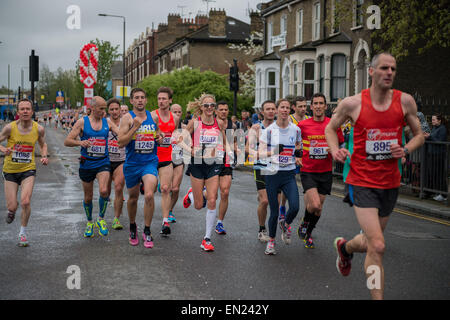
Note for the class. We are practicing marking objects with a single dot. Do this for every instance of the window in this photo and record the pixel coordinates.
(308, 79)
(338, 75)
(271, 86)
(300, 26)
(316, 21)
(295, 78)
(321, 74)
(259, 85)
(283, 24)
(269, 37)
(359, 14)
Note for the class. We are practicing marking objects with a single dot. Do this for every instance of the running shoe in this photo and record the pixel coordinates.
(343, 263)
(263, 236)
(309, 243)
(286, 235)
(172, 217)
(186, 200)
(148, 240)
(220, 229)
(165, 231)
(116, 224)
(133, 239)
(270, 248)
(207, 245)
(102, 227)
(302, 230)
(89, 232)
(10, 217)
(23, 242)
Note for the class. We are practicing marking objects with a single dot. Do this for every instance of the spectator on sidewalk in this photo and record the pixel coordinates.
(437, 157)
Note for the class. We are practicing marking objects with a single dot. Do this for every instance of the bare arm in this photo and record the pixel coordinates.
(4, 134)
(72, 138)
(128, 127)
(113, 127)
(410, 111)
(43, 145)
(345, 110)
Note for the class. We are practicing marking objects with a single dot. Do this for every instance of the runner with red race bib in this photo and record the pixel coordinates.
(372, 174)
(316, 173)
(167, 124)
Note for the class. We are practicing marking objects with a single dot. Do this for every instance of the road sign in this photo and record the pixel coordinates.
(119, 91)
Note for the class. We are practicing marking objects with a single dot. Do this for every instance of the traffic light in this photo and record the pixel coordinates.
(234, 77)
(34, 67)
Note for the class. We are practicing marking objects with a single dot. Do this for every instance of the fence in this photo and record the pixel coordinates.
(425, 172)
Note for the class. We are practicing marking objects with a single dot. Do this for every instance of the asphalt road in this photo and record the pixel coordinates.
(416, 260)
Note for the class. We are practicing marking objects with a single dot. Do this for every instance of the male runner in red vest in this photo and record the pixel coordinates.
(378, 115)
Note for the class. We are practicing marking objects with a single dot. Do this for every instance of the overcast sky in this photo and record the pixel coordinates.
(41, 25)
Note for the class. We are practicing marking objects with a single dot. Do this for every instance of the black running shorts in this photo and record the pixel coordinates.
(322, 181)
(382, 199)
(19, 176)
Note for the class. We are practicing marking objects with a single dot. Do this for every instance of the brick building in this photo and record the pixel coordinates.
(139, 58)
(207, 47)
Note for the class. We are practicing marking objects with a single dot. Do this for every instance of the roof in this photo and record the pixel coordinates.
(236, 32)
(340, 37)
(268, 57)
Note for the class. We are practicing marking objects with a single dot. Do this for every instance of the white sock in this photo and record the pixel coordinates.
(219, 221)
(22, 230)
(165, 220)
(191, 197)
(210, 219)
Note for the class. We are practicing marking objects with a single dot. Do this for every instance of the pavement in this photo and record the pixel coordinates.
(405, 201)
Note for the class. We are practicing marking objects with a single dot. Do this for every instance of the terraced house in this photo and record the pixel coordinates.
(307, 52)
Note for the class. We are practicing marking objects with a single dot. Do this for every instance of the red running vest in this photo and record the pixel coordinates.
(371, 163)
(165, 148)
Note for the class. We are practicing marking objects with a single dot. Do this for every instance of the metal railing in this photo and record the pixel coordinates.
(425, 172)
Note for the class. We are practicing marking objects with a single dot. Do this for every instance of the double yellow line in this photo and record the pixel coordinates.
(408, 213)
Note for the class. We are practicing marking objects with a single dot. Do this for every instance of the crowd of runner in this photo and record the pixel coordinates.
(148, 151)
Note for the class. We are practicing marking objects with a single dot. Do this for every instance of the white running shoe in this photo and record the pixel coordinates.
(270, 248)
(263, 236)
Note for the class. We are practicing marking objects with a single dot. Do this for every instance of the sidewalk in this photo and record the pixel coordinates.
(407, 202)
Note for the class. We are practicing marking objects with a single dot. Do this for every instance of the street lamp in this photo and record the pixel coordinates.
(123, 55)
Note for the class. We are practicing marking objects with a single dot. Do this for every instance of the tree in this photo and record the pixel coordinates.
(407, 26)
(189, 84)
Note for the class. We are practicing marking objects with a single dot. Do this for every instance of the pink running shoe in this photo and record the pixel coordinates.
(134, 239)
(23, 242)
(148, 240)
(186, 200)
